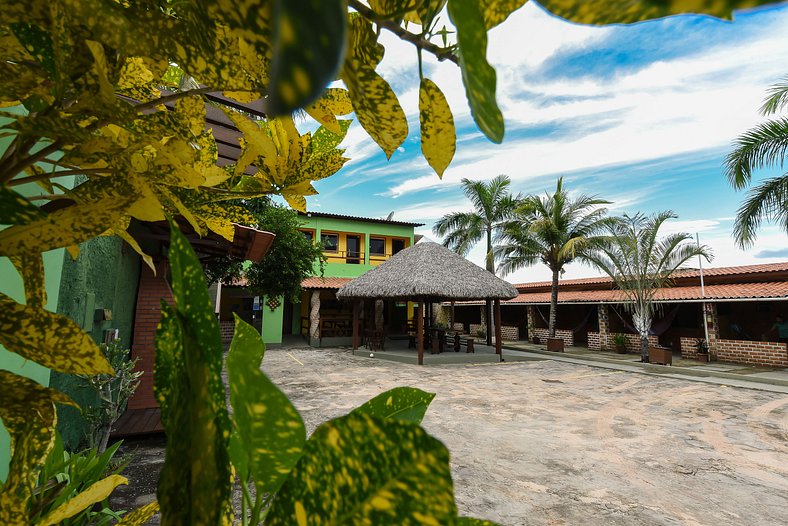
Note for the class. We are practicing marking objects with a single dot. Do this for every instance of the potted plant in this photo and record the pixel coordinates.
(620, 343)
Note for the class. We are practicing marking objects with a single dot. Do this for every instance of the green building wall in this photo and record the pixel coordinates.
(104, 276)
(273, 320)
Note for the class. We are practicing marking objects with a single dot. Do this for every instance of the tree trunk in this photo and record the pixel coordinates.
(553, 304)
(491, 267)
(644, 347)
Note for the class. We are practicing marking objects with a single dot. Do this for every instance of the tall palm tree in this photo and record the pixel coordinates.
(554, 230)
(640, 263)
(763, 146)
(493, 207)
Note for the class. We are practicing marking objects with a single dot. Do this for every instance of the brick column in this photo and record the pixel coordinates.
(150, 291)
(604, 327)
(314, 316)
(483, 322)
(713, 325)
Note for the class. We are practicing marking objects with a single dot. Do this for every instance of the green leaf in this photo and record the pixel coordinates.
(468, 521)
(49, 339)
(361, 470)
(628, 11)
(270, 429)
(401, 403)
(196, 479)
(438, 136)
(28, 414)
(16, 210)
(308, 43)
(477, 75)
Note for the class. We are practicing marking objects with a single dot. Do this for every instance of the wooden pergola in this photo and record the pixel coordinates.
(427, 273)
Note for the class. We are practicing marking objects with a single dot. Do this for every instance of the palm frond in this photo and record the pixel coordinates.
(777, 99)
(762, 146)
(767, 201)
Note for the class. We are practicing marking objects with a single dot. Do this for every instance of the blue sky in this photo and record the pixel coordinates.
(641, 115)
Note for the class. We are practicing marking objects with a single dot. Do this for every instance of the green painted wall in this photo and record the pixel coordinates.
(104, 276)
(272, 320)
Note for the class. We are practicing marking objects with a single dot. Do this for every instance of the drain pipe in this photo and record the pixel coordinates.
(703, 296)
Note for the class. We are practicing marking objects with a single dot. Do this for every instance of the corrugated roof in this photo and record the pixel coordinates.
(362, 219)
(317, 282)
(681, 273)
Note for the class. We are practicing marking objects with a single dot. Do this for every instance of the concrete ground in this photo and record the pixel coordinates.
(550, 442)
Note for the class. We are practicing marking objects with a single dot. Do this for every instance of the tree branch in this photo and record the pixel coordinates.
(417, 40)
(172, 97)
(9, 173)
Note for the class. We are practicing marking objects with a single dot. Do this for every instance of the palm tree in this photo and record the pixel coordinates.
(554, 230)
(763, 146)
(640, 263)
(493, 207)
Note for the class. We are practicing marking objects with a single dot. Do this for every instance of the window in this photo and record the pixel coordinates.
(377, 246)
(330, 242)
(309, 234)
(397, 245)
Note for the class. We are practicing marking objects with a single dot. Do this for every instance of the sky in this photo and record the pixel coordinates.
(640, 115)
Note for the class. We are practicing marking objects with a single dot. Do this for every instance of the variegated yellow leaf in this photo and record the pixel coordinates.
(73, 251)
(31, 268)
(392, 8)
(377, 108)
(106, 90)
(125, 236)
(627, 11)
(256, 144)
(438, 136)
(62, 228)
(244, 97)
(296, 201)
(96, 492)
(496, 11)
(28, 414)
(140, 516)
(49, 339)
(335, 101)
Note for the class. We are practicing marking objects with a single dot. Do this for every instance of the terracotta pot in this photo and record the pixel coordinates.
(621, 349)
(555, 344)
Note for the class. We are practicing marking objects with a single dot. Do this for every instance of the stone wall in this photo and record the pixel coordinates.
(507, 332)
(226, 328)
(770, 354)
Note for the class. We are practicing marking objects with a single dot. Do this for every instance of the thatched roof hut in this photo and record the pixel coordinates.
(427, 271)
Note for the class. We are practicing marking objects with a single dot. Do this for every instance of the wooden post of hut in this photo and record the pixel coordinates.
(420, 330)
(498, 328)
(356, 315)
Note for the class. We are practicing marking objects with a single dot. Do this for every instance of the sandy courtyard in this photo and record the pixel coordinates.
(553, 443)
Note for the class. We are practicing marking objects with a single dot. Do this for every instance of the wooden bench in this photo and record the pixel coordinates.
(460, 341)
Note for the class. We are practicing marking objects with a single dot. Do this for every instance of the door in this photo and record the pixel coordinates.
(353, 254)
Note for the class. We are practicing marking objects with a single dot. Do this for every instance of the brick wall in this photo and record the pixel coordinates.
(604, 342)
(689, 348)
(226, 328)
(152, 289)
(771, 354)
(542, 334)
(507, 332)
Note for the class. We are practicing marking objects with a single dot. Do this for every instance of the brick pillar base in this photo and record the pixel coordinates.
(150, 291)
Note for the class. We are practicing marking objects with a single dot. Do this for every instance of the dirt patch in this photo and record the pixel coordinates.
(554, 443)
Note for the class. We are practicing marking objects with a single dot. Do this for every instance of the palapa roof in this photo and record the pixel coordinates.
(428, 270)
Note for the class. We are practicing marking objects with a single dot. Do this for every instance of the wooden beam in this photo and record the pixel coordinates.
(498, 328)
(420, 331)
(355, 324)
(489, 306)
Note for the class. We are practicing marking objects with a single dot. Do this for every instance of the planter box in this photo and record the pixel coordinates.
(660, 355)
(555, 344)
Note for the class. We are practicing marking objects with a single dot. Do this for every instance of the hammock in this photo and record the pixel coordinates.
(547, 323)
(584, 322)
(657, 328)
